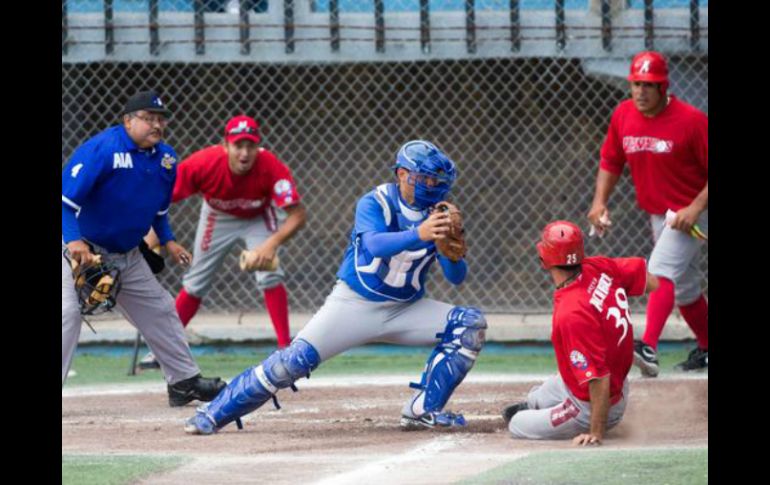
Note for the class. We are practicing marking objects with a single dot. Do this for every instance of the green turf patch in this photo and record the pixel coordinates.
(115, 469)
(596, 466)
(106, 369)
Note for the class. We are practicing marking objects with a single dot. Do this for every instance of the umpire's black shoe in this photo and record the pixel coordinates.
(697, 360)
(509, 411)
(196, 387)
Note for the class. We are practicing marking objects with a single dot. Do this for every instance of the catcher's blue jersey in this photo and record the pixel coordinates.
(400, 277)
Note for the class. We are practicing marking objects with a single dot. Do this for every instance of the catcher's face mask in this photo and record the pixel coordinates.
(431, 172)
(97, 286)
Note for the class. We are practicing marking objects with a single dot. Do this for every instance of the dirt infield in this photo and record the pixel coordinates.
(335, 434)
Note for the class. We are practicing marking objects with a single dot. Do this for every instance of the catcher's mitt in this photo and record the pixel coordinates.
(249, 264)
(453, 245)
(97, 285)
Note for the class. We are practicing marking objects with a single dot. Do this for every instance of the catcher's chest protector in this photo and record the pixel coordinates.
(402, 276)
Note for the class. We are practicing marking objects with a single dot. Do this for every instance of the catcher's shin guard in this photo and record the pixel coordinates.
(255, 386)
(450, 361)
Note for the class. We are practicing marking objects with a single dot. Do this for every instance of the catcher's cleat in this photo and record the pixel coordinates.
(148, 362)
(196, 387)
(511, 410)
(201, 423)
(432, 419)
(646, 358)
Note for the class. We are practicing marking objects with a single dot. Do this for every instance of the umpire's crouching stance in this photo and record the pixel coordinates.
(114, 187)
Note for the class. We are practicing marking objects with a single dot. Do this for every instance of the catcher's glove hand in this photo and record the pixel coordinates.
(249, 264)
(453, 245)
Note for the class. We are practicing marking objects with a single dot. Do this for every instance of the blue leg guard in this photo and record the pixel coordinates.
(255, 386)
(447, 366)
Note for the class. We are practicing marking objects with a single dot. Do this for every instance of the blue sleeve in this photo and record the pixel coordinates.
(81, 173)
(369, 215)
(454, 272)
(385, 244)
(160, 224)
(372, 226)
(163, 229)
(69, 224)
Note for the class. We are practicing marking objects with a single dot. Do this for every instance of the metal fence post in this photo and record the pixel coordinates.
(470, 25)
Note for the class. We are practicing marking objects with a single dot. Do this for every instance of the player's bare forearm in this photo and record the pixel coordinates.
(297, 216)
(605, 184)
(152, 239)
(599, 215)
(652, 283)
(599, 393)
(701, 202)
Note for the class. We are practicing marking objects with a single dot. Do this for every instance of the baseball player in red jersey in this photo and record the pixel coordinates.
(246, 191)
(592, 338)
(664, 141)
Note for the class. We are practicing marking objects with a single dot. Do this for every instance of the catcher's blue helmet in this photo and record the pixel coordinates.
(430, 171)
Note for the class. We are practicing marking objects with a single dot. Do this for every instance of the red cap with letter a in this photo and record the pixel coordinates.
(242, 127)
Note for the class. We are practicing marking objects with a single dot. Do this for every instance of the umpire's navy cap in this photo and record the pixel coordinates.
(147, 101)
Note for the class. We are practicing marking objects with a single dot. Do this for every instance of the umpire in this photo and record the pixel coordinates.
(114, 187)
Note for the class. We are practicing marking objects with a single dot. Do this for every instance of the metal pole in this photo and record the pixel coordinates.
(694, 25)
(649, 31)
(243, 14)
(334, 24)
(561, 34)
(200, 29)
(64, 27)
(606, 25)
(470, 25)
(109, 32)
(135, 357)
(515, 26)
(288, 23)
(379, 25)
(425, 26)
(154, 32)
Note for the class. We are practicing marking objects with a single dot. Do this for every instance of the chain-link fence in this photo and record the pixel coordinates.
(525, 132)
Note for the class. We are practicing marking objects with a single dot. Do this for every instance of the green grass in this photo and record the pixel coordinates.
(113, 470)
(104, 369)
(599, 467)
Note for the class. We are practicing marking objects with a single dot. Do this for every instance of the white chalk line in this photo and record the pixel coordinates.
(345, 381)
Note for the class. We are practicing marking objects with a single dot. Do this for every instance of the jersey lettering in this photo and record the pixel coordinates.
(621, 319)
(122, 160)
(76, 170)
(601, 292)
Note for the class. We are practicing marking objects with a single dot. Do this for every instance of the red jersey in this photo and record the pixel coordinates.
(592, 334)
(207, 172)
(668, 154)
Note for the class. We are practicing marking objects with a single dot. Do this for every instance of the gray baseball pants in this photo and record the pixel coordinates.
(144, 303)
(555, 414)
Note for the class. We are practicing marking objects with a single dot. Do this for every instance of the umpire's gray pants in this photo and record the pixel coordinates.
(555, 414)
(144, 303)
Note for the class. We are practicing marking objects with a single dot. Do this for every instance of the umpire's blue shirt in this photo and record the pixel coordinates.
(113, 191)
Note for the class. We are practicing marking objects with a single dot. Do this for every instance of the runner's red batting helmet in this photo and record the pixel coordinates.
(560, 245)
(651, 67)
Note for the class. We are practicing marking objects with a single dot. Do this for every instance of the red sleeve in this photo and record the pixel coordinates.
(283, 188)
(187, 177)
(583, 344)
(700, 140)
(612, 155)
(632, 274)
